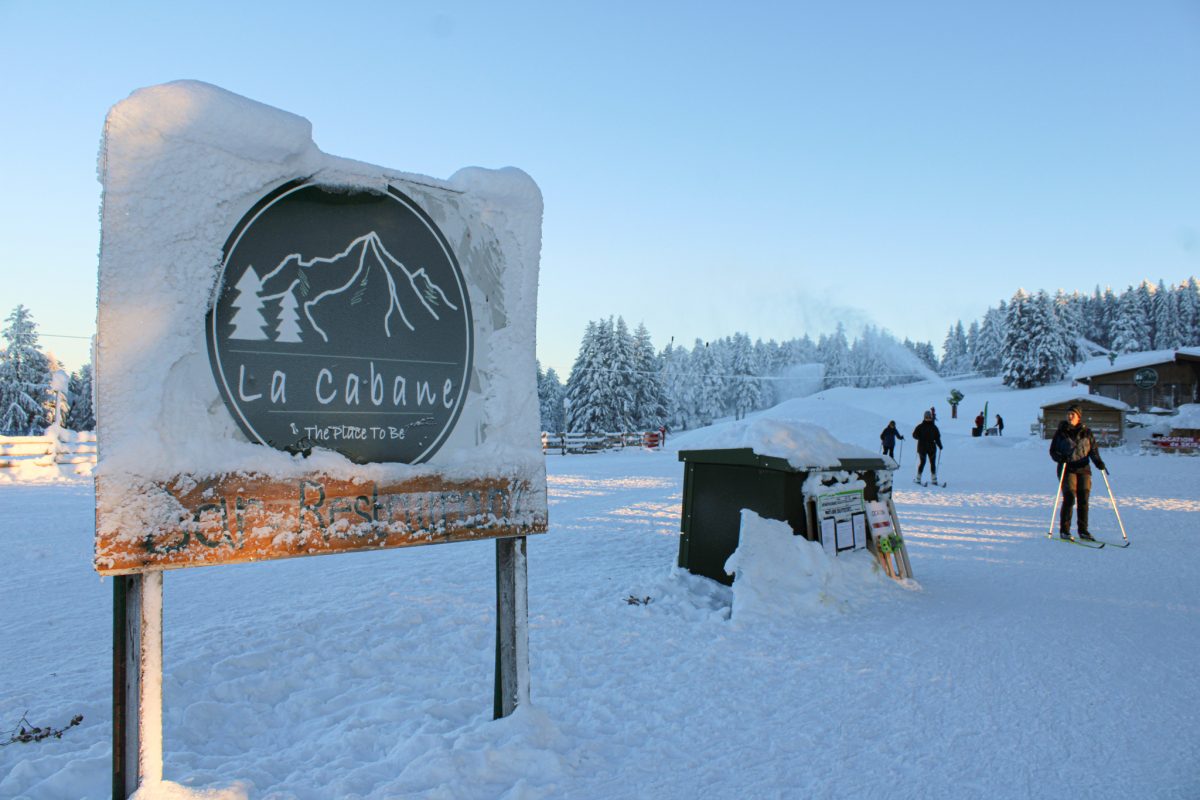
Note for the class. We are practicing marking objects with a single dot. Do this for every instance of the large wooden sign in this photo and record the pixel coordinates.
(299, 355)
(302, 355)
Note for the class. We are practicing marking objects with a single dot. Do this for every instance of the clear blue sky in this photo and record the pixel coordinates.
(706, 168)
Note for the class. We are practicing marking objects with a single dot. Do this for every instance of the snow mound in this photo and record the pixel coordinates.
(802, 444)
(1188, 416)
(781, 576)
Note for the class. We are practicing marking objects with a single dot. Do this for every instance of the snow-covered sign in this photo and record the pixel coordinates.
(840, 504)
(301, 354)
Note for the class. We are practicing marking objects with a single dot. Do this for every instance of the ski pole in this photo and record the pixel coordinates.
(1057, 496)
(1113, 500)
(900, 461)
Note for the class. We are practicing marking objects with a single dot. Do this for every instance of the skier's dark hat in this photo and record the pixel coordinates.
(1075, 408)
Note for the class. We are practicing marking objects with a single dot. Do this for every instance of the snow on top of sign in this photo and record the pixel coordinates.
(181, 164)
(802, 444)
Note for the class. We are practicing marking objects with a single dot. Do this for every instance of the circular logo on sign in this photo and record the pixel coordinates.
(341, 320)
(1145, 378)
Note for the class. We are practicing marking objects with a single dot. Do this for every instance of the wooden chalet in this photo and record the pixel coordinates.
(1163, 379)
(1106, 417)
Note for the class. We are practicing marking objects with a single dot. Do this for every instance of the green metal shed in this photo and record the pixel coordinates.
(718, 484)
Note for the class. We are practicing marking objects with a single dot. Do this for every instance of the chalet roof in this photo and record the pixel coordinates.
(1094, 399)
(1100, 366)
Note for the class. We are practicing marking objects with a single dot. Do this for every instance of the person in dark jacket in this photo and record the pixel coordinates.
(929, 441)
(889, 437)
(999, 425)
(1074, 449)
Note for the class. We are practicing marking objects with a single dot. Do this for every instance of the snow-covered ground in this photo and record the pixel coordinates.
(1017, 668)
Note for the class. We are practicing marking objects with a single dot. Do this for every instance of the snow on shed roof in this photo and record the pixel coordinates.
(1101, 366)
(1099, 400)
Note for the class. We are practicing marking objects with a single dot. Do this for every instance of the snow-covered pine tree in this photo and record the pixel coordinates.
(1110, 316)
(1049, 350)
(601, 396)
(677, 385)
(769, 357)
(989, 346)
(1188, 303)
(925, 352)
(1070, 322)
(710, 383)
(1145, 300)
(746, 392)
(834, 352)
(1017, 370)
(583, 415)
(1167, 333)
(81, 415)
(25, 396)
(1129, 330)
(872, 359)
(955, 355)
(972, 342)
(624, 378)
(550, 400)
(650, 403)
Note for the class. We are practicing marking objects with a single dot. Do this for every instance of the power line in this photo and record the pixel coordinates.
(918, 375)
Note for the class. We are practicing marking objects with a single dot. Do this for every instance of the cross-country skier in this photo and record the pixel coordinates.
(1072, 447)
(889, 437)
(929, 441)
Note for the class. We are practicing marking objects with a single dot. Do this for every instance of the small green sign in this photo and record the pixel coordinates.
(1145, 378)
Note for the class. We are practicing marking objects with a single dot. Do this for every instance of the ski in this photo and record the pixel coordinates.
(1093, 545)
(1113, 544)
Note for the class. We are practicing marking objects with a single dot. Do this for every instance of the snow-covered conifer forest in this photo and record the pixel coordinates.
(619, 383)
(29, 399)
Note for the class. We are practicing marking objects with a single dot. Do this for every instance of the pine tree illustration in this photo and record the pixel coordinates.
(248, 322)
(288, 329)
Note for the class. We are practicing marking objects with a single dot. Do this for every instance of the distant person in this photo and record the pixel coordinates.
(933, 413)
(929, 441)
(1072, 448)
(999, 425)
(889, 437)
(979, 420)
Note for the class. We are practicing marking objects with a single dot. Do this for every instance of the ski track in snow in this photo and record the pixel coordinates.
(1018, 668)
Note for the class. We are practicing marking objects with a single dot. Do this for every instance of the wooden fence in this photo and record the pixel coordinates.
(574, 442)
(56, 447)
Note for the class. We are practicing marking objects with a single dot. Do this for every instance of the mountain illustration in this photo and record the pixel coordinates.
(364, 282)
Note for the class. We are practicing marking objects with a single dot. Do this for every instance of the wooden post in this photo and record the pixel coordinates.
(512, 627)
(137, 682)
